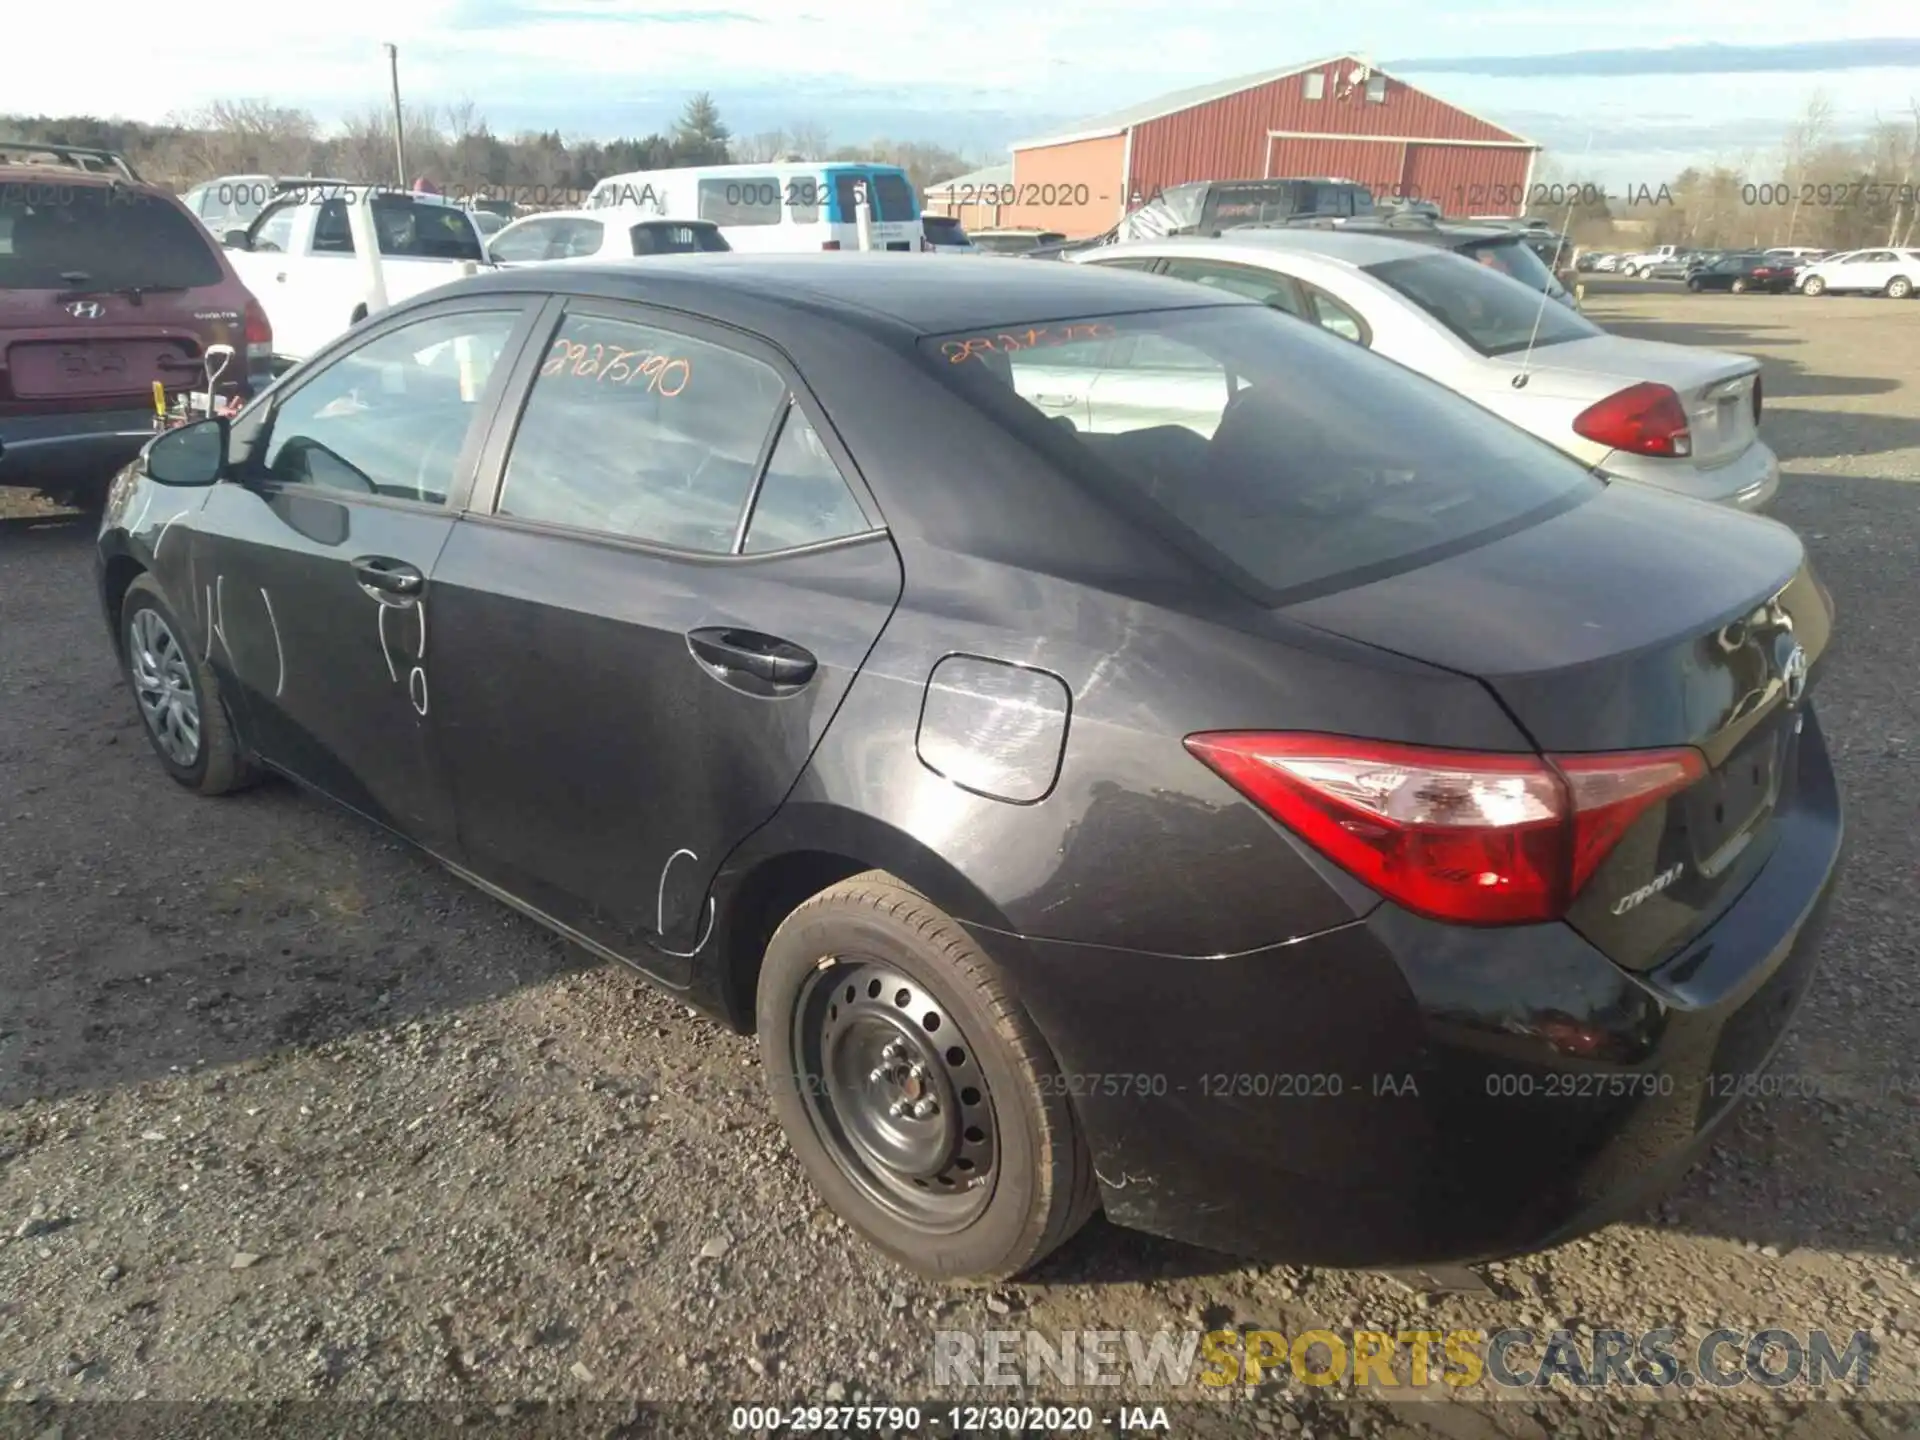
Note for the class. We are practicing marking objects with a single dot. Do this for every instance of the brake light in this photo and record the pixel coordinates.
(1470, 837)
(829, 244)
(259, 331)
(1646, 419)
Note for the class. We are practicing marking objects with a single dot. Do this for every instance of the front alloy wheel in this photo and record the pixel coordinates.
(163, 684)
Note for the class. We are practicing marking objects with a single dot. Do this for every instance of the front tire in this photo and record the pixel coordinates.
(1814, 286)
(1739, 287)
(915, 1090)
(1696, 287)
(178, 697)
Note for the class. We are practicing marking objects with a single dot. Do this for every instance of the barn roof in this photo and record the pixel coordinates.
(1118, 122)
(1001, 174)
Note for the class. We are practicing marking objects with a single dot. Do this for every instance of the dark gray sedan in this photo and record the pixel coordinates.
(1271, 798)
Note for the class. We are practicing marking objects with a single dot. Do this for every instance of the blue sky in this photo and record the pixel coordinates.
(1631, 93)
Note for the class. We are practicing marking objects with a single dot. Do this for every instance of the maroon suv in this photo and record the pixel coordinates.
(107, 284)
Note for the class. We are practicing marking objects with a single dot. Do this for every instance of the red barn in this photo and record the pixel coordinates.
(1339, 117)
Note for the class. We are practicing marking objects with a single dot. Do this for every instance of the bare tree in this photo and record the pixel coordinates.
(1804, 137)
(808, 141)
(1900, 230)
(766, 146)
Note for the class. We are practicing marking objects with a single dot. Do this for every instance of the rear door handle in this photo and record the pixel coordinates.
(721, 648)
(387, 576)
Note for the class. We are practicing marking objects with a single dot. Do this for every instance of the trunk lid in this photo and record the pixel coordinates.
(114, 348)
(1600, 630)
(1715, 386)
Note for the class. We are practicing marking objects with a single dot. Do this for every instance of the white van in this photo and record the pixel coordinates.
(786, 207)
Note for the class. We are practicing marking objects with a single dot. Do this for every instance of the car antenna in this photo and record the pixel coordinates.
(1526, 360)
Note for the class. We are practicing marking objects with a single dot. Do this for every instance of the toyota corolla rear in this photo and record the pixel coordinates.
(1496, 809)
(1675, 417)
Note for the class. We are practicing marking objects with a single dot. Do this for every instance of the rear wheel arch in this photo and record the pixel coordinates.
(802, 851)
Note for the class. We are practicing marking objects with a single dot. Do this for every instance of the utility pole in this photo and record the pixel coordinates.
(399, 121)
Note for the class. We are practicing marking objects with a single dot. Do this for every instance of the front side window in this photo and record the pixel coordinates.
(390, 417)
(1492, 313)
(527, 241)
(1319, 462)
(641, 433)
(273, 231)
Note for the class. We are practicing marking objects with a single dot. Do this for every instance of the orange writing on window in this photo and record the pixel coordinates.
(1011, 342)
(665, 375)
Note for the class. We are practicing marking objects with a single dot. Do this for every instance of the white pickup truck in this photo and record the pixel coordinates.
(1636, 264)
(301, 259)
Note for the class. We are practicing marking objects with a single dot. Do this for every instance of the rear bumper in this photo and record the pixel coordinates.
(79, 449)
(1397, 1092)
(1749, 482)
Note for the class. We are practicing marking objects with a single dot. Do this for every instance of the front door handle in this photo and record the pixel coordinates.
(722, 648)
(388, 577)
(1056, 402)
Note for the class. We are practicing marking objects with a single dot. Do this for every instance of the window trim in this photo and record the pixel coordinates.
(491, 468)
(1308, 290)
(479, 429)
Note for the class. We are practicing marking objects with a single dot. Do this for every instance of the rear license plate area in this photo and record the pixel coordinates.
(80, 368)
(1730, 800)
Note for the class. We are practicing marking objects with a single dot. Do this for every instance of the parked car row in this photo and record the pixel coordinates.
(981, 680)
(1890, 271)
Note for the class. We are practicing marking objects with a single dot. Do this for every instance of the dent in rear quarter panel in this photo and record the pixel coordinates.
(1137, 845)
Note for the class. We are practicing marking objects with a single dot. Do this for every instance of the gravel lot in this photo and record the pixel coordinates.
(288, 1113)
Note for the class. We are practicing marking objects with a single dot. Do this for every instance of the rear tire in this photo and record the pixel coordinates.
(1899, 288)
(915, 1090)
(181, 708)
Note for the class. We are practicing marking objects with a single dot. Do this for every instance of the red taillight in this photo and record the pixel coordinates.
(1645, 419)
(830, 245)
(259, 329)
(1470, 837)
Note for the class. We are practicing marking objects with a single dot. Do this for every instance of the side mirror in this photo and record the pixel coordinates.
(193, 455)
(235, 240)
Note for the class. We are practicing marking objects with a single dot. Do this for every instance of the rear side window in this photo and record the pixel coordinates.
(1292, 460)
(61, 236)
(753, 200)
(404, 228)
(804, 499)
(641, 433)
(529, 241)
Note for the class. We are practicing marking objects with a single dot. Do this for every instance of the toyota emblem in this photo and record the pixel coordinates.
(86, 309)
(1793, 673)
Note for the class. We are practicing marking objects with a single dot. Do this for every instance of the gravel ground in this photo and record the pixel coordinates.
(287, 1113)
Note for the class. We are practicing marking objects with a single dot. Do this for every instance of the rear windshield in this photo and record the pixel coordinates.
(1292, 460)
(96, 237)
(1270, 201)
(661, 237)
(1492, 312)
(943, 230)
(1514, 257)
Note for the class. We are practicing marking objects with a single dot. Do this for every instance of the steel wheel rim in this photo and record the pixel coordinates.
(895, 1093)
(163, 684)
